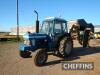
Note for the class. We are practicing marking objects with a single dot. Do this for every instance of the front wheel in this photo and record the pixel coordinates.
(25, 54)
(65, 47)
(40, 57)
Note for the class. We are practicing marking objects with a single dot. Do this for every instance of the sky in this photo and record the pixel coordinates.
(67, 9)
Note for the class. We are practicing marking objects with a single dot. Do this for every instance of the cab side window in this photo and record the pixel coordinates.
(58, 27)
(64, 26)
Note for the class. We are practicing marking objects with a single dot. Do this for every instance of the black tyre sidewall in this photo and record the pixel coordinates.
(66, 40)
(37, 55)
(69, 42)
(25, 54)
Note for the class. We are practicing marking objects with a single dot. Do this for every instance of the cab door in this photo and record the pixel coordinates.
(58, 32)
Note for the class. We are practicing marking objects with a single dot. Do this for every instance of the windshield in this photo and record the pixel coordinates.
(46, 27)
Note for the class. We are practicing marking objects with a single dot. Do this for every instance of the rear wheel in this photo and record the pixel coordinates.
(25, 54)
(40, 57)
(65, 47)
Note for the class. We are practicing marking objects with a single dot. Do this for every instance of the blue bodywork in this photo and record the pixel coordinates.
(36, 42)
(45, 38)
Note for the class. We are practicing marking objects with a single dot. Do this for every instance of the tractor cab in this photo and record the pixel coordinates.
(56, 28)
(53, 26)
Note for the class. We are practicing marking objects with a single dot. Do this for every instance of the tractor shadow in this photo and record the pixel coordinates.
(77, 52)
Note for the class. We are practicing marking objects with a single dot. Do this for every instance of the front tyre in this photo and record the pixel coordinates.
(40, 57)
(65, 47)
(25, 54)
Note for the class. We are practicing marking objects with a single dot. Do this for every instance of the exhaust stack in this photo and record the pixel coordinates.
(37, 22)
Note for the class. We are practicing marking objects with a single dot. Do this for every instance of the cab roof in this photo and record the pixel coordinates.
(54, 19)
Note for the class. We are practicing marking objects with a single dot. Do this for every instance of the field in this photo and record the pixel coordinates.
(12, 64)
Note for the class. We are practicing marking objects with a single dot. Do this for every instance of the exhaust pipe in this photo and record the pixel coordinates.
(37, 22)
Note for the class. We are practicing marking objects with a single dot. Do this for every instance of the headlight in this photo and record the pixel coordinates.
(27, 42)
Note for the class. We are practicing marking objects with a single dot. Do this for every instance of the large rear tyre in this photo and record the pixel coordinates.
(65, 47)
(25, 54)
(40, 57)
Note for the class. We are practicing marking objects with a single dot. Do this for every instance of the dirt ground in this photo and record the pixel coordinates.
(12, 64)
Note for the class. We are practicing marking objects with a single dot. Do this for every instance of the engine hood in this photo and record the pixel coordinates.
(35, 36)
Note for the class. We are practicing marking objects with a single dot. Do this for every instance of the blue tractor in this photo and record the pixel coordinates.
(52, 37)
